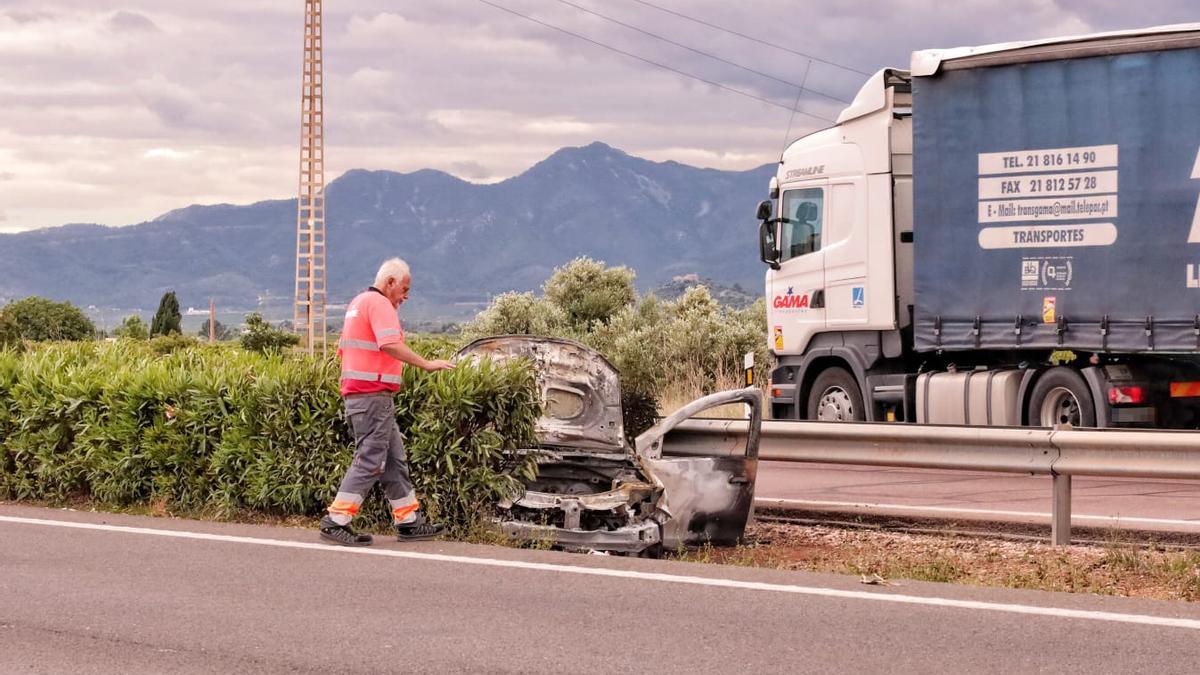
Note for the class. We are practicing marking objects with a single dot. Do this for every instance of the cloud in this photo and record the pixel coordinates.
(132, 22)
(28, 16)
(119, 115)
(473, 170)
(560, 126)
(370, 78)
(165, 153)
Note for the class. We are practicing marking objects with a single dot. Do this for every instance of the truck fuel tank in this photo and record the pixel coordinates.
(974, 397)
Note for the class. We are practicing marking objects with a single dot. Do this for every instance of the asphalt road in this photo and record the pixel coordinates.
(1126, 503)
(97, 596)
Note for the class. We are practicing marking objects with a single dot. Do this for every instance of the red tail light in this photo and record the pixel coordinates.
(776, 393)
(1125, 395)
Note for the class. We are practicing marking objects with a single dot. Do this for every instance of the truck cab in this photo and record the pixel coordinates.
(839, 247)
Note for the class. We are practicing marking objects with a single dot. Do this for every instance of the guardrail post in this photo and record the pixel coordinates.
(1060, 510)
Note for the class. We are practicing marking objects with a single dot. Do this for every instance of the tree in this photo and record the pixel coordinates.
(261, 337)
(8, 331)
(133, 328)
(167, 319)
(222, 331)
(588, 291)
(515, 313)
(39, 319)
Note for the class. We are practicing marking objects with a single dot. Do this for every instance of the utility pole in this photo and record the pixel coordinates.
(310, 208)
(212, 321)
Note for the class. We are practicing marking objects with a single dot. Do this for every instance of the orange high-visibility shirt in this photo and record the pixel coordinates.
(371, 323)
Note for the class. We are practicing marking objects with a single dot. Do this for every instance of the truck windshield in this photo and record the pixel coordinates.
(803, 211)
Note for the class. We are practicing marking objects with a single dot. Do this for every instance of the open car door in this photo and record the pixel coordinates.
(708, 493)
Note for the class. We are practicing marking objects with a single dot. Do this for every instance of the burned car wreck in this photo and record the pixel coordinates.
(594, 491)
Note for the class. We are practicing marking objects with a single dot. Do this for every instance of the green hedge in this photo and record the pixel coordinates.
(214, 428)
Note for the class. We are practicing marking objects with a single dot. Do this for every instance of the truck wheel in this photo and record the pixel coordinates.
(1061, 397)
(835, 397)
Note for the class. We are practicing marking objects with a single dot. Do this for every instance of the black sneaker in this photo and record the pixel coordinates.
(418, 529)
(342, 534)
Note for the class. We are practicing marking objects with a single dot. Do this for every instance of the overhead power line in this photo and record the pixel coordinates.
(656, 64)
(723, 29)
(792, 118)
(699, 51)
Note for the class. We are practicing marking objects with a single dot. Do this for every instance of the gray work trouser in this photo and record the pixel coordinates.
(378, 456)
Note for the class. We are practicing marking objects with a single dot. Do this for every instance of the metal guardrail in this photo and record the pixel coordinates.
(1059, 453)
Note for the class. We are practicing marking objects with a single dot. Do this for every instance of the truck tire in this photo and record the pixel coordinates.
(835, 396)
(1061, 396)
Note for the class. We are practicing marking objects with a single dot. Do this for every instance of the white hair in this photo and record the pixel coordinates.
(395, 268)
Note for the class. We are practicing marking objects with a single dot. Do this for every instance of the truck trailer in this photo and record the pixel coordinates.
(1006, 235)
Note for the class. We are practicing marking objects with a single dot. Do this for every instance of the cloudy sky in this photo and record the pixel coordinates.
(115, 112)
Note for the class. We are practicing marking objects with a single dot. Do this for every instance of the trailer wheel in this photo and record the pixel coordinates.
(1061, 397)
(835, 397)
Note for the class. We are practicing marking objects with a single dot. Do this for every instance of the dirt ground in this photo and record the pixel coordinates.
(880, 557)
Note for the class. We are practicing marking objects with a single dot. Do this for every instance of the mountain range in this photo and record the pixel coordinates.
(465, 242)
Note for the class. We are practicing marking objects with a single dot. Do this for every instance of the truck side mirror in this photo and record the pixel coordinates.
(767, 247)
(764, 210)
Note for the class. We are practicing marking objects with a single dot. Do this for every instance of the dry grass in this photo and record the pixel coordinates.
(1114, 568)
(694, 384)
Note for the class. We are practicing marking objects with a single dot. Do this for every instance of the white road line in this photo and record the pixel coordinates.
(1115, 520)
(1192, 624)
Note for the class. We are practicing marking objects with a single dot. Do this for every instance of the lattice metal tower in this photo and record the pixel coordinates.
(310, 209)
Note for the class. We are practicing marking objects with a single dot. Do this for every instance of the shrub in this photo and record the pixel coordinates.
(133, 328)
(518, 314)
(52, 396)
(9, 368)
(262, 338)
(433, 346)
(211, 428)
(165, 344)
(460, 422)
(219, 331)
(705, 337)
(634, 341)
(9, 335)
(588, 292)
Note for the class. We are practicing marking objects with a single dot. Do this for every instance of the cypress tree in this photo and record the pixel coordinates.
(167, 319)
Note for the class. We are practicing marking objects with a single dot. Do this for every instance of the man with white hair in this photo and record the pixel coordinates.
(373, 355)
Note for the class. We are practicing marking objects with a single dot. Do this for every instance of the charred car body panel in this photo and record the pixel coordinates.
(596, 492)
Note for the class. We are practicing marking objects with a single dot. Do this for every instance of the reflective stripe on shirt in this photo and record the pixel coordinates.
(347, 343)
(370, 377)
(360, 375)
(389, 331)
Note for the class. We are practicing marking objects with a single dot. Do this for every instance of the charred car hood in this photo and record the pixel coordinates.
(580, 391)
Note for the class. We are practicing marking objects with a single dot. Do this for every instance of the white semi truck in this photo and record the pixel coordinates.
(1000, 235)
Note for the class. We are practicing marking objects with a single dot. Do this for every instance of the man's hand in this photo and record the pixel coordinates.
(401, 352)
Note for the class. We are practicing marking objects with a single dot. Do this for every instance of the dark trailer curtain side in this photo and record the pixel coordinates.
(1055, 200)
